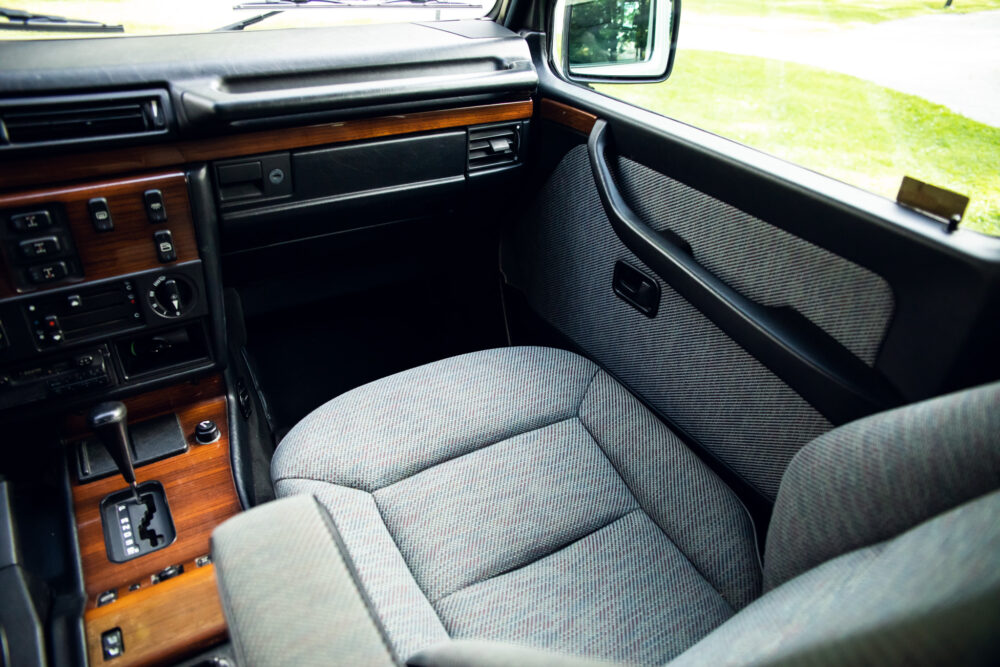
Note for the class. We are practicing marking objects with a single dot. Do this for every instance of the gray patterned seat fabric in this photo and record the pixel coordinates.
(522, 495)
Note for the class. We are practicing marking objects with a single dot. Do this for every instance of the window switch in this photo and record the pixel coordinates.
(46, 273)
(25, 222)
(40, 247)
(156, 210)
(100, 214)
(165, 246)
(111, 643)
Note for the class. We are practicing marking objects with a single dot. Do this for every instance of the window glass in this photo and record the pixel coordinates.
(864, 91)
(161, 17)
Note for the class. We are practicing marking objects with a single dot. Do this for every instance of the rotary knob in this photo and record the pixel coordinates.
(170, 296)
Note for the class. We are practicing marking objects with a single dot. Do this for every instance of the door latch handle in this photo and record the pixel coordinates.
(636, 288)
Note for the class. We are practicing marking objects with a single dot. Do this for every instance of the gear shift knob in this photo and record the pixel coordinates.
(109, 421)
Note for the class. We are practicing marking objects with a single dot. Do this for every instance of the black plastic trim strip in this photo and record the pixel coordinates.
(207, 101)
(838, 384)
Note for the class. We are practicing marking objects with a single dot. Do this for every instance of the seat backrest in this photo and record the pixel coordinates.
(884, 547)
(875, 478)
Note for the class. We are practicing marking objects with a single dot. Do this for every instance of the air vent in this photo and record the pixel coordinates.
(493, 146)
(50, 121)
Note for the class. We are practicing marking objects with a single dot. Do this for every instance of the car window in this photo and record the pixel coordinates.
(863, 91)
(161, 17)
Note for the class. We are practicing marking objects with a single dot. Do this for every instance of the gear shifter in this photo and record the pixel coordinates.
(109, 421)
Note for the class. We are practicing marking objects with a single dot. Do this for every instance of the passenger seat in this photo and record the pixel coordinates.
(519, 506)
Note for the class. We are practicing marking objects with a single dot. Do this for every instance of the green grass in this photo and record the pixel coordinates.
(835, 11)
(838, 125)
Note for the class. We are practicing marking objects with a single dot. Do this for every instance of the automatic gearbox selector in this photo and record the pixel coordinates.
(170, 296)
(109, 421)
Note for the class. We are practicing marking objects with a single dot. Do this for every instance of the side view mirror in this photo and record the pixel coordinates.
(615, 41)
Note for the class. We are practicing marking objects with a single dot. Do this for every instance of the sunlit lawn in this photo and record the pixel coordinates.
(835, 124)
(836, 11)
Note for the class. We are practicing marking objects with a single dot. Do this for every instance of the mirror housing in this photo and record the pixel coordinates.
(615, 41)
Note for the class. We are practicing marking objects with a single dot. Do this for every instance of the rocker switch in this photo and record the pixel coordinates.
(165, 250)
(156, 210)
(111, 643)
(100, 214)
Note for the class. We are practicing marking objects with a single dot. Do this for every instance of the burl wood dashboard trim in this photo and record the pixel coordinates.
(557, 112)
(198, 484)
(103, 163)
(127, 248)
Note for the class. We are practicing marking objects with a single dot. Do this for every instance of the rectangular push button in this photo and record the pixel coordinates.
(100, 214)
(165, 250)
(156, 210)
(45, 246)
(25, 222)
(112, 645)
(242, 172)
(47, 273)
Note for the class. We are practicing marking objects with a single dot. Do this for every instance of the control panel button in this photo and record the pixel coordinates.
(25, 222)
(44, 246)
(47, 273)
(170, 296)
(156, 210)
(74, 301)
(166, 573)
(100, 214)
(206, 432)
(165, 246)
(111, 643)
(107, 597)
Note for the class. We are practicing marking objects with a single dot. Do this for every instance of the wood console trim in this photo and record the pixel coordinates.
(127, 248)
(31, 171)
(564, 114)
(161, 624)
(198, 484)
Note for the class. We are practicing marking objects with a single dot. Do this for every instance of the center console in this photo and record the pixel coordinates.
(102, 289)
(110, 290)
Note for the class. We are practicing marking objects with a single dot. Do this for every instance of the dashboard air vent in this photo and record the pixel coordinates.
(493, 146)
(72, 119)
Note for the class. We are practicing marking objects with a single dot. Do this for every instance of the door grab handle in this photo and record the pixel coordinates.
(838, 384)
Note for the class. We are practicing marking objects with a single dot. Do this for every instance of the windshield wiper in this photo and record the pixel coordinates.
(21, 20)
(279, 6)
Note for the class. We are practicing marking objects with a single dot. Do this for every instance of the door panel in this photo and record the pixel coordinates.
(879, 294)
(562, 257)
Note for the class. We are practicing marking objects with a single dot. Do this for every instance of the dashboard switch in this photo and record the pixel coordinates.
(165, 246)
(206, 432)
(44, 246)
(112, 645)
(26, 222)
(100, 214)
(46, 273)
(156, 210)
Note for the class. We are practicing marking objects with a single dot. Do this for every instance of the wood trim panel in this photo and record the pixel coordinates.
(161, 624)
(17, 173)
(129, 247)
(198, 484)
(557, 112)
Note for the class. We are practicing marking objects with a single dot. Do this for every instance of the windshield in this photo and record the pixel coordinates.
(164, 17)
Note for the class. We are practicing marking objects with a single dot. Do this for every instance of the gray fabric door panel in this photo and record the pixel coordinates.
(562, 256)
(765, 263)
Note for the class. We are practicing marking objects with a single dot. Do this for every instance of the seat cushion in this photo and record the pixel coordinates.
(522, 495)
